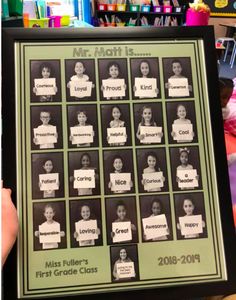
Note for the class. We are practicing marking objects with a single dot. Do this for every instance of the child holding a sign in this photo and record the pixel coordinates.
(125, 181)
(116, 123)
(190, 225)
(86, 227)
(46, 180)
(119, 270)
(182, 129)
(152, 133)
(77, 132)
(49, 232)
(46, 84)
(157, 180)
(177, 84)
(45, 135)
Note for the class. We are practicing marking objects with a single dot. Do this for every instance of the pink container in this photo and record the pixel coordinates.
(196, 18)
(167, 9)
(55, 21)
(157, 9)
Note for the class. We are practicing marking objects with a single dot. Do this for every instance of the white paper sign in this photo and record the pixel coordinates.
(45, 86)
(84, 179)
(125, 270)
(113, 88)
(49, 233)
(81, 134)
(190, 224)
(145, 87)
(178, 87)
(155, 227)
(45, 134)
(122, 231)
(153, 180)
(87, 230)
(187, 178)
(80, 89)
(151, 134)
(116, 135)
(183, 132)
(120, 181)
(49, 182)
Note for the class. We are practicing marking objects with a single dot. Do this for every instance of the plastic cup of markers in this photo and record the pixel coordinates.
(121, 7)
(43, 23)
(145, 8)
(134, 7)
(157, 9)
(55, 21)
(121, 24)
(111, 7)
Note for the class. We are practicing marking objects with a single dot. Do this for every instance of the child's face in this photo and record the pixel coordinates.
(49, 214)
(45, 73)
(48, 166)
(156, 208)
(85, 212)
(121, 212)
(183, 158)
(188, 207)
(82, 118)
(176, 68)
(113, 71)
(144, 68)
(116, 113)
(181, 112)
(151, 160)
(85, 161)
(123, 254)
(117, 164)
(225, 95)
(45, 117)
(79, 68)
(147, 114)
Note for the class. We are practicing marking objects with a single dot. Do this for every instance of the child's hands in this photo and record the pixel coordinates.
(125, 86)
(93, 85)
(190, 88)
(62, 233)
(163, 178)
(55, 89)
(197, 177)
(133, 227)
(134, 88)
(56, 135)
(193, 134)
(112, 234)
(160, 134)
(36, 233)
(71, 137)
(178, 226)
(98, 231)
(143, 181)
(167, 85)
(177, 179)
(145, 237)
(35, 141)
(102, 88)
(173, 134)
(141, 137)
(157, 91)
(131, 184)
(72, 179)
(108, 138)
(69, 85)
(109, 185)
(76, 235)
(34, 90)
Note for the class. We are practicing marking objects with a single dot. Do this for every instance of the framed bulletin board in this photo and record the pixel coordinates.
(222, 8)
(118, 160)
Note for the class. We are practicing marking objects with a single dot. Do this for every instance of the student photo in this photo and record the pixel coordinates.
(178, 77)
(46, 127)
(145, 78)
(83, 173)
(85, 223)
(121, 220)
(185, 168)
(148, 122)
(181, 119)
(82, 126)
(80, 80)
(152, 170)
(47, 175)
(119, 172)
(49, 225)
(113, 78)
(190, 216)
(116, 125)
(124, 263)
(45, 81)
(156, 218)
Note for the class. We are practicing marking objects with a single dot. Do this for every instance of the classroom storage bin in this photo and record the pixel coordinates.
(43, 23)
(121, 7)
(167, 9)
(111, 7)
(134, 7)
(145, 8)
(177, 9)
(157, 9)
(102, 7)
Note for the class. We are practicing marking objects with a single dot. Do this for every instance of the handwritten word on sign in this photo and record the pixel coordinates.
(45, 86)
(113, 88)
(49, 182)
(80, 89)
(183, 132)
(87, 230)
(145, 87)
(178, 87)
(82, 134)
(120, 181)
(125, 270)
(153, 180)
(45, 134)
(187, 178)
(116, 135)
(122, 231)
(155, 227)
(191, 224)
(152, 134)
(84, 179)
(49, 233)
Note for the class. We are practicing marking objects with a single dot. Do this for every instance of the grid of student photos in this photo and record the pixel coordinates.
(122, 149)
